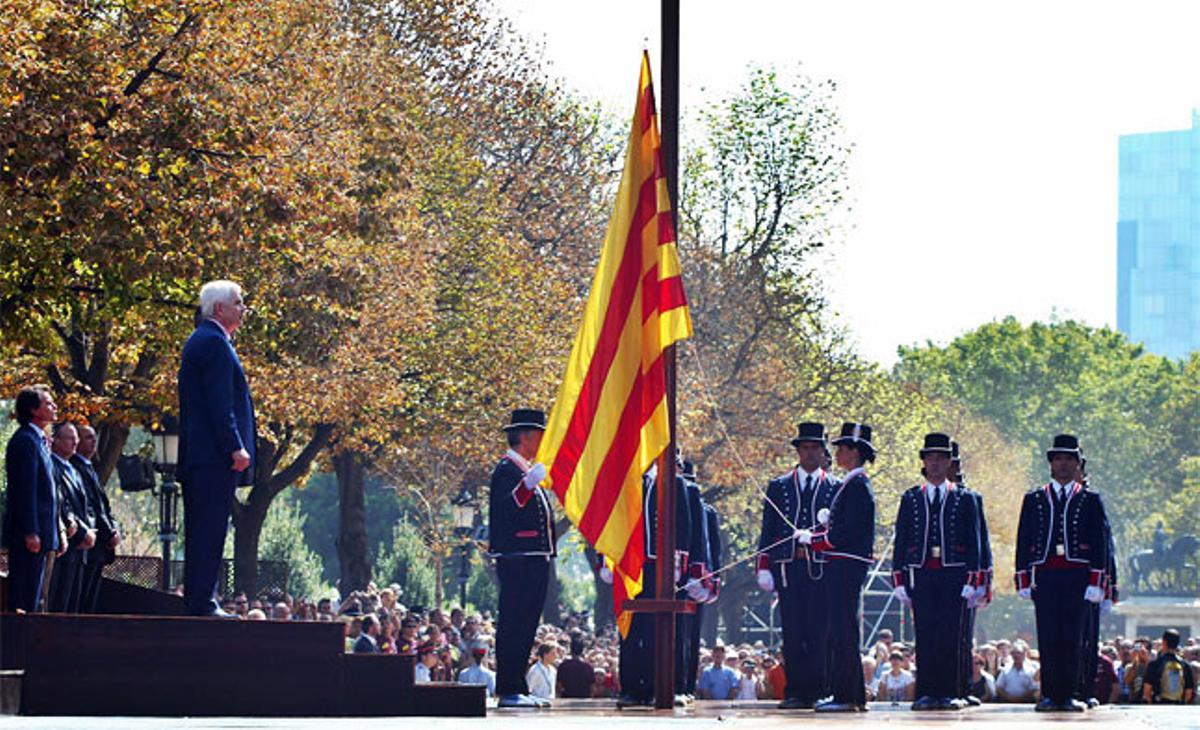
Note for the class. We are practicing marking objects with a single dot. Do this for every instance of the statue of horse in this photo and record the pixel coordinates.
(1172, 564)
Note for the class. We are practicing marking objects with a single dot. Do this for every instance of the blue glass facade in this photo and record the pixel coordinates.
(1158, 240)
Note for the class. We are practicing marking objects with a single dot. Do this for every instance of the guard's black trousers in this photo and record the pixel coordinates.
(1061, 614)
(693, 650)
(846, 579)
(1091, 653)
(966, 652)
(803, 609)
(938, 611)
(524, 580)
(636, 665)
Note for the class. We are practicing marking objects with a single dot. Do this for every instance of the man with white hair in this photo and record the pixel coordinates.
(216, 439)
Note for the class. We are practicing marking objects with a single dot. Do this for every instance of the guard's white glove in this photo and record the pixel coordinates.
(901, 594)
(967, 592)
(1025, 593)
(1093, 594)
(823, 515)
(766, 581)
(1106, 607)
(535, 476)
(606, 574)
(979, 597)
(804, 537)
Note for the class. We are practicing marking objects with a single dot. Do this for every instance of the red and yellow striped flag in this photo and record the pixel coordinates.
(609, 422)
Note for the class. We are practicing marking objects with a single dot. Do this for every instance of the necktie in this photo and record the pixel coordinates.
(807, 487)
(936, 503)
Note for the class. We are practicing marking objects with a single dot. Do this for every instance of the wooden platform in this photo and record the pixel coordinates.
(176, 666)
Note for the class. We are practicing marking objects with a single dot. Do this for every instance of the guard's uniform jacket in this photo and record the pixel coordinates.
(636, 661)
(948, 539)
(936, 554)
(714, 547)
(1062, 549)
(1056, 538)
(522, 539)
(1091, 630)
(850, 534)
(981, 578)
(520, 520)
(787, 493)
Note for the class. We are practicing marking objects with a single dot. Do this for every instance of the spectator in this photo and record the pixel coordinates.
(1105, 685)
(718, 682)
(575, 676)
(426, 659)
(256, 614)
(281, 612)
(476, 673)
(1016, 682)
(1168, 679)
(542, 676)
(749, 686)
(868, 670)
(1135, 672)
(774, 679)
(367, 643)
(982, 684)
(897, 683)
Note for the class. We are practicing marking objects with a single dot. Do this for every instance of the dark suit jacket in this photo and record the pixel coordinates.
(364, 644)
(31, 498)
(106, 524)
(73, 500)
(216, 416)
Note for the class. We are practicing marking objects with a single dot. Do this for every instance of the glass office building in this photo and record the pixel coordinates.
(1158, 240)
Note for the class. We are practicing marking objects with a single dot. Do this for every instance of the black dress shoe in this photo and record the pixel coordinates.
(973, 701)
(924, 704)
(1092, 703)
(627, 700)
(1073, 706)
(839, 707)
(795, 703)
(950, 703)
(1046, 705)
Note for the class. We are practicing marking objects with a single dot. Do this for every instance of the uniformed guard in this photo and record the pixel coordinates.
(846, 540)
(702, 584)
(794, 571)
(1091, 632)
(982, 580)
(1061, 559)
(522, 540)
(935, 560)
(636, 661)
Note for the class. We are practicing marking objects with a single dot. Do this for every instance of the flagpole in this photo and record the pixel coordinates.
(664, 628)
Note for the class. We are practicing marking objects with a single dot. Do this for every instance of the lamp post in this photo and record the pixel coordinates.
(463, 508)
(166, 459)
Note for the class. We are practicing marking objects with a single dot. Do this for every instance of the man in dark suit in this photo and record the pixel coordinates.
(794, 571)
(107, 534)
(216, 439)
(66, 581)
(31, 527)
(1061, 561)
(523, 542)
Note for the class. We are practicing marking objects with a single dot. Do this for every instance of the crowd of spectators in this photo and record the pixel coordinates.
(571, 660)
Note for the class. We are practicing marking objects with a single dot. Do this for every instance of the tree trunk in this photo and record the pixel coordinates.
(110, 441)
(353, 555)
(439, 564)
(248, 521)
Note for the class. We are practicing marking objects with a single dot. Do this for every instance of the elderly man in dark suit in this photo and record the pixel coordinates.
(108, 536)
(216, 439)
(66, 581)
(31, 510)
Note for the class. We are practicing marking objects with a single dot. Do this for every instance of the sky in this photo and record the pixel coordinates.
(984, 171)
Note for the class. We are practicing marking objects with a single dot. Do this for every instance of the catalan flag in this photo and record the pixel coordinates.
(609, 422)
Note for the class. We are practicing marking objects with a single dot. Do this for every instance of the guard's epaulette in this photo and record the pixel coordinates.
(1036, 489)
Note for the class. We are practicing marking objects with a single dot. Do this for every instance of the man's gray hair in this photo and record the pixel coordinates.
(217, 292)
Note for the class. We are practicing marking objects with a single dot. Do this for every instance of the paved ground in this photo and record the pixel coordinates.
(584, 714)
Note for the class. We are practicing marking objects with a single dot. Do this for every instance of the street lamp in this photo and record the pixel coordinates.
(166, 459)
(463, 508)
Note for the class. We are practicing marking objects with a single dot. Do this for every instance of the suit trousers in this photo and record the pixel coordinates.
(939, 612)
(846, 579)
(26, 571)
(803, 609)
(524, 580)
(1061, 613)
(66, 581)
(89, 594)
(207, 500)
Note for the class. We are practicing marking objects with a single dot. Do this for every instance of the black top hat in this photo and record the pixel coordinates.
(527, 418)
(954, 451)
(855, 433)
(937, 443)
(688, 471)
(1065, 444)
(809, 432)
